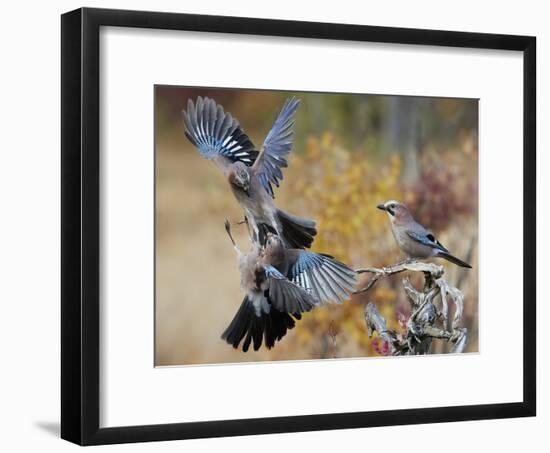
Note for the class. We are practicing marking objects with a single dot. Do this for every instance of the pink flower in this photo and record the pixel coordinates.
(381, 347)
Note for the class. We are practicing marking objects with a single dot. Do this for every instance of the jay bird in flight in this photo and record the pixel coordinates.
(280, 284)
(412, 238)
(250, 173)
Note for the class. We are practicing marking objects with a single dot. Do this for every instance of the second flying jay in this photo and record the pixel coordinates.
(280, 284)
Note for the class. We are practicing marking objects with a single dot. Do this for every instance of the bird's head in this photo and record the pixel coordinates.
(240, 177)
(396, 211)
(274, 247)
(273, 242)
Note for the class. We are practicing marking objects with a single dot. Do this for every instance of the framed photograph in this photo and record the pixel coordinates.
(275, 226)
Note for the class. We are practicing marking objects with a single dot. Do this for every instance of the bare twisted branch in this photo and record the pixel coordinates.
(421, 325)
(433, 270)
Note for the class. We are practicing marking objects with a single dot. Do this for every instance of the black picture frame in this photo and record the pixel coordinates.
(80, 225)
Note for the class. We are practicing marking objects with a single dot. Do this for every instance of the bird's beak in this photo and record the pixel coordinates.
(382, 207)
(247, 190)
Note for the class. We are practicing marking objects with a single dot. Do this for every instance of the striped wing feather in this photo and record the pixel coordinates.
(216, 133)
(326, 278)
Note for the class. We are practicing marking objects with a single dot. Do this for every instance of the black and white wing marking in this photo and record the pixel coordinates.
(285, 296)
(428, 239)
(328, 279)
(277, 145)
(216, 133)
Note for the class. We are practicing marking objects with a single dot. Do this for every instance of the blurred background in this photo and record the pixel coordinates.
(350, 153)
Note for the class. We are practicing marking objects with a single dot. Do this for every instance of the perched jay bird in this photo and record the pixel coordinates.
(412, 238)
(280, 284)
(250, 173)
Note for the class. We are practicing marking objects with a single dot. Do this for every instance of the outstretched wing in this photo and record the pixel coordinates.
(286, 296)
(277, 145)
(328, 279)
(216, 133)
(426, 238)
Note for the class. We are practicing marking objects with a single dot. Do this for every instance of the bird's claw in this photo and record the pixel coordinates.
(228, 230)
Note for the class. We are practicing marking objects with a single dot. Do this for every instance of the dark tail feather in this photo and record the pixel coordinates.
(453, 259)
(297, 232)
(270, 327)
(263, 230)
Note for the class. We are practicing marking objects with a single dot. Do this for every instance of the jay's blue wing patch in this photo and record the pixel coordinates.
(216, 133)
(272, 272)
(277, 145)
(328, 279)
(426, 239)
(286, 296)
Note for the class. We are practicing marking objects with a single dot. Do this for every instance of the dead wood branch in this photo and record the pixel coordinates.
(426, 322)
(431, 271)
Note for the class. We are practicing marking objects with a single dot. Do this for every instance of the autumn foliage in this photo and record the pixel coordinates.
(351, 152)
(341, 190)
